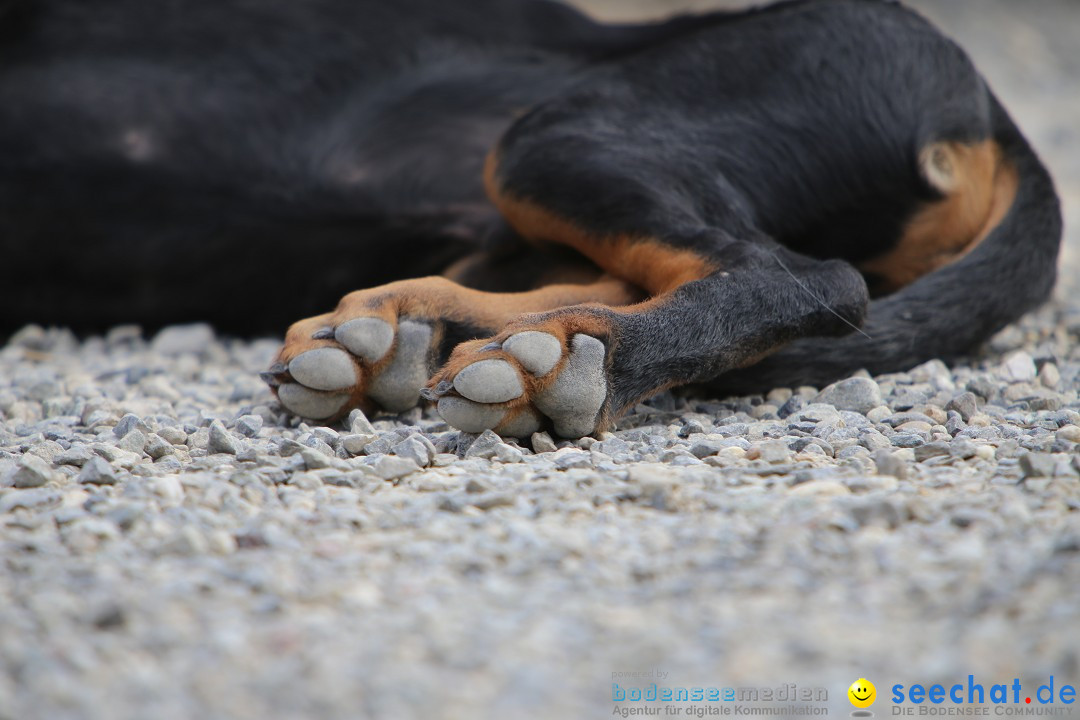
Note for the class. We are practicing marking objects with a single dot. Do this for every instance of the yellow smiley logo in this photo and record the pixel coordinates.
(862, 693)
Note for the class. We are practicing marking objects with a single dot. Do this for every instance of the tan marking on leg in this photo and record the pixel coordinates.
(979, 188)
(647, 262)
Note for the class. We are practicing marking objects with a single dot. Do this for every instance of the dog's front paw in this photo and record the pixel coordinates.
(375, 351)
(525, 380)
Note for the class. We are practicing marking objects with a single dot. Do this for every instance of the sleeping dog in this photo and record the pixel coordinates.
(553, 218)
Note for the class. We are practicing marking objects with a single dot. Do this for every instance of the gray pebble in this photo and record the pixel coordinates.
(317, 460)
(380, 445)
(965, 403)
(32, 472)
(507, 454)
(1050, 376)
(857, 394)
(907, 399)
(77, 455)
(134, 442)
(774, 452)
(542, 443)
(1018, 367)
(1037, 464)
(157, 447)
(484, 446)
(35, 498)
(415, 449)
(249, 425)
(97, 472)
(222, 441)
(933, 449)
(129, 422)
(389, 467)
(359, 423)
(174, 435)
(889, 464)
(355, 443)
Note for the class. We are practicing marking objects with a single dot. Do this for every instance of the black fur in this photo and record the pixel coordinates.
(249, 163)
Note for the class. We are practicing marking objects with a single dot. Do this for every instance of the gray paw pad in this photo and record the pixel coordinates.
(370, 338)
(538, 352)
(397, 387)
(524, 424)
(324, 369)
(310, 403)
(489, 381)
(574, 400)
(468, 416)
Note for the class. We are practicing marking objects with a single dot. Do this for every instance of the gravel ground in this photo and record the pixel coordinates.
(171, 546)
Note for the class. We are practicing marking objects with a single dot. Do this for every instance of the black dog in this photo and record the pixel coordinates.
(710, 200)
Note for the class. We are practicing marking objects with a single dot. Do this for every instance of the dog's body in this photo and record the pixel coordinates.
(743, 182)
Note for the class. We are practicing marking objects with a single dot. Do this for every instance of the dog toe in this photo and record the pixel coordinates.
(324, 368)
(538, 352)
(469, 416)
(574, 400)
(489, 381)
(314, 404)
(367, 337)
(396, 387)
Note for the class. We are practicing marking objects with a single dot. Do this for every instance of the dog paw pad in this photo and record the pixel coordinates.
(494, 393)
(489, 381)
(538, 352)
(522, 425)
(369, 338)
(324, 369)
(313, 404)
(574, 400)
(397, 387)
(469, 416)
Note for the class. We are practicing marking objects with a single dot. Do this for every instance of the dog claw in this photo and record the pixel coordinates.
(270, 378)
(275, 375)
(326, 333)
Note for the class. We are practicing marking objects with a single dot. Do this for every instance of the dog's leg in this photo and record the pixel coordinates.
(379, 347)
(722, 306)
